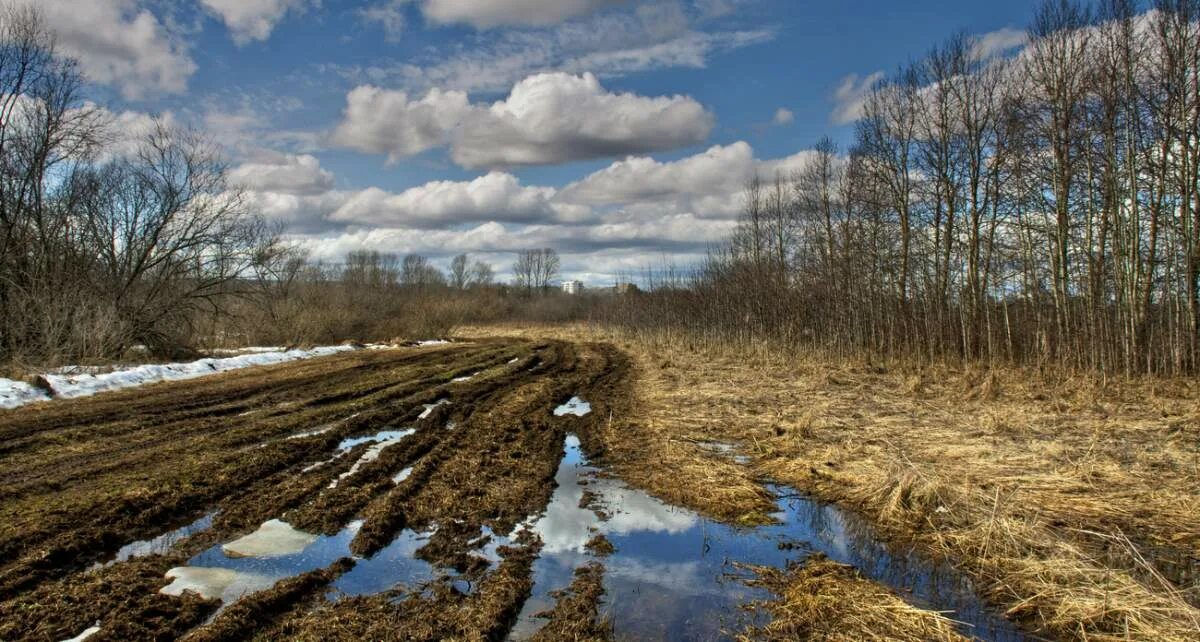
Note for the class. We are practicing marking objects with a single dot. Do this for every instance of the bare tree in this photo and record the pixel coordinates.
(460, 271)
(535, 269)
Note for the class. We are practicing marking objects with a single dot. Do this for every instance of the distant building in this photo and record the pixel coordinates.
(625, 288)
(572, 287)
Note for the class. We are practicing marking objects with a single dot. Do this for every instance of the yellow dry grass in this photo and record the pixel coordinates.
(1073, 499)
(825, 600)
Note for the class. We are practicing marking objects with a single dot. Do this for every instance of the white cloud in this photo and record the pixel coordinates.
(546, 119)
(120, 44)
(250, 20)
(783, 116)
(851, 96)
(497, 13)
(708, 184)
(389, 16)
(382, 121)
(654, 36)
(495, 197)
(998, 42)
(283, 173)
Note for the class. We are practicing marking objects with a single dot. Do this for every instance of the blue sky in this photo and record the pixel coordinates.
(617, 132)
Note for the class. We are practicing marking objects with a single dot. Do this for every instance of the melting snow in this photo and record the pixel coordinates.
(87, 633)
(220, 583)
(19, 393)
(430, 406)
(275, 538)
(68, 383)
(574, 406)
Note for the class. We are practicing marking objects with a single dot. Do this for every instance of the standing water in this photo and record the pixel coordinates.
(672, 575)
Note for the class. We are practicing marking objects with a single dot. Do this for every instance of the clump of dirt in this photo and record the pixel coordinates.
(600, 546)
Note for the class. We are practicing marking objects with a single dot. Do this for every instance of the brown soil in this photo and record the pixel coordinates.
(576, 615)
(79, 479)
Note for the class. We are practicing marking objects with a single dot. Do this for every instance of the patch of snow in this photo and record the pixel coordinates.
(574, 406)
(466, 378)
(250, 350)
(432, 342)
(18, 393)
(430, 406)
(403, 475)
(67, 384)
(87, 633)
(275, 538)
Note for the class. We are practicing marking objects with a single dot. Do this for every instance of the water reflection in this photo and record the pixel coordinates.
(672, 575)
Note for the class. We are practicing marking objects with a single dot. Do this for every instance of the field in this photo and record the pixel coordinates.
(465, 491)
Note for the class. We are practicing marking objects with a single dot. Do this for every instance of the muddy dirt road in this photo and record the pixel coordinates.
(442, 492)
(453, 441)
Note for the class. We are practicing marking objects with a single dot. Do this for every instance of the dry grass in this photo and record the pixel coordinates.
(825, 600)
(1074, 500)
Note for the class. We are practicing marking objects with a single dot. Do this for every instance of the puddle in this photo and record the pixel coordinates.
(395, 564)
(430, 406)
(87, 633)
(672, 577)
(379, 437)
(574, 406)
(227, 573)
(383, 441)
(160, 545)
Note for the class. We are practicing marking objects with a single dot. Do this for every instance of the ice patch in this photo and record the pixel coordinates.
(223, 584)
(275, 538)
(87, 633)
(574, 406)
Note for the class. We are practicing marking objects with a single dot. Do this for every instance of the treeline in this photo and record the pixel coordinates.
(1040, 207)
(105, 243)
(114, 242)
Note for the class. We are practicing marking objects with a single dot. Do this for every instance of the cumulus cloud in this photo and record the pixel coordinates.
(383, 121)
(283, 173)
(120, 44)
(495, 197)
(250, 20)
(783, 117)
(546, 119)
(708, 184)
(497, 13)
(851, 95)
